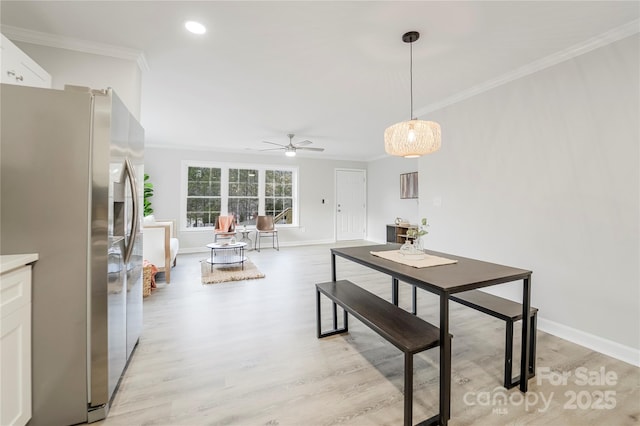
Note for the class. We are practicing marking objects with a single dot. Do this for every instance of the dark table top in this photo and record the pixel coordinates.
(466, 274)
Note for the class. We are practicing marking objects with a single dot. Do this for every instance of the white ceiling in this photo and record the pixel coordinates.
(336, 73)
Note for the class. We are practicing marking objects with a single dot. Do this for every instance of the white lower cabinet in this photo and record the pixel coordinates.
(15, 343)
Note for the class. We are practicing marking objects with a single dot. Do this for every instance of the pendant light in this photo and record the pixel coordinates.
(412, 138)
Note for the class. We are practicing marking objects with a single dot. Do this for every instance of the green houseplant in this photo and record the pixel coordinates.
(148, 193)
(416, 233)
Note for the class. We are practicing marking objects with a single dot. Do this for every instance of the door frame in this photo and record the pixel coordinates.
(335, 202)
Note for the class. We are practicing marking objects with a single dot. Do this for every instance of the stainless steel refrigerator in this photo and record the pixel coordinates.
(70, 190)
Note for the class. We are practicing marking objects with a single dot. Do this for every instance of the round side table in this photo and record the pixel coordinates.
(245, 237)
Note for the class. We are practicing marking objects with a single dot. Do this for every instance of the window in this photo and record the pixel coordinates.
(203, 196)
(214, 189)
(243, 200)
(278, 194)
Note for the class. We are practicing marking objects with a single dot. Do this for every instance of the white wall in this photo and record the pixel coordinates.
(383, 194)
(543, 174)
(316, 180)
(86, 69)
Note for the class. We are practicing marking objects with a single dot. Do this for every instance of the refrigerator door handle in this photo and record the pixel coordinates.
(129, 169)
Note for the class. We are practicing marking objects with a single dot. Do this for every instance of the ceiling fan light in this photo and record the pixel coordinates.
(412, 138)
(290, 153)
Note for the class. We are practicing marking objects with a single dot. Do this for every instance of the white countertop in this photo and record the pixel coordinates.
(9, 262)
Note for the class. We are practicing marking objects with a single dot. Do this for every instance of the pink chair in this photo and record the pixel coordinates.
(225, 227)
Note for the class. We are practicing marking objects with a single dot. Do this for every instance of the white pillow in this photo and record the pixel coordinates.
(149, 220)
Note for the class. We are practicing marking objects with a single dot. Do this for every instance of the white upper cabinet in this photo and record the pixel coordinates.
(18, 68)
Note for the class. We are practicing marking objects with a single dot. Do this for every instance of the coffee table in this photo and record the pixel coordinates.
(227, 253)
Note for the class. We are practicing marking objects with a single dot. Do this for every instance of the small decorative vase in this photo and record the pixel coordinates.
(407, 247)
(411, 251)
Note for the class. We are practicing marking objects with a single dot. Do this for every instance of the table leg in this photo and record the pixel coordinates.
(445, 361)
(333, 278)
(394, 291)
(526, 331)
(211, 269)
(333, 267)
(414, 300)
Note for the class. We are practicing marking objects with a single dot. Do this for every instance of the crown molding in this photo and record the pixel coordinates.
(70, 43)
(588, 45)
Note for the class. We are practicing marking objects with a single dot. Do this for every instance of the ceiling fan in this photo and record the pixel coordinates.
(291, 148)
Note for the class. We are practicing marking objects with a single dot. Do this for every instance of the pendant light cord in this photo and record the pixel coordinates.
(411, 78)
(410, 37)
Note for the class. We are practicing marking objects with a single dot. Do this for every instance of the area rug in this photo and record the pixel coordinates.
(221, 273)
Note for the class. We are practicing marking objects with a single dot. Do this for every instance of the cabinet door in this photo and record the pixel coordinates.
(15, 364)
(18, 68)
(15, 346)
(391, 234)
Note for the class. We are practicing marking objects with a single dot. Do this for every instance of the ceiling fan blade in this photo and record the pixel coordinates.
(271, 149)
(273, 143)
(311, 149)
(303, 143)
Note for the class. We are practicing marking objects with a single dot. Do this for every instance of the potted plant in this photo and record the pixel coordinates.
(415, 233)
(148, 193)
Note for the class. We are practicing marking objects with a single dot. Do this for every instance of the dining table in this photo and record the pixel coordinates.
(444, 280)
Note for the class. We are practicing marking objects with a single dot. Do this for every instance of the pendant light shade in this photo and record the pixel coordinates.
(414, 137)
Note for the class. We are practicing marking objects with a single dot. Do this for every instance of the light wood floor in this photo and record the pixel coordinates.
(246, 353)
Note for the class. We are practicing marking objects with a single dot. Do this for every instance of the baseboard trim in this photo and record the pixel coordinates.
(591, 341)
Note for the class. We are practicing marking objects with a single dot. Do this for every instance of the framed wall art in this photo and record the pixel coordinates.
(409, 185)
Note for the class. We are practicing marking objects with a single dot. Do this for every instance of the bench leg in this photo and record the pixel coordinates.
(532, 346)
(335, 330)
(318, 319)
(408, 389)
(508, 357)
(509, 382)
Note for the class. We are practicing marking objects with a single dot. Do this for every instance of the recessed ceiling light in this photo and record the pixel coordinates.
(195, 27)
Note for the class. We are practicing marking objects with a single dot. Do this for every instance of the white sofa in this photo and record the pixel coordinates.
(160, 245)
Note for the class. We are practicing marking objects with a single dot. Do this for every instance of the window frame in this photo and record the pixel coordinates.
(224, 188)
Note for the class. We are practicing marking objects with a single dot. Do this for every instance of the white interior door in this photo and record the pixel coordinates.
(351, 204)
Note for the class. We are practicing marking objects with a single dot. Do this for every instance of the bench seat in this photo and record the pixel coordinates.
(405, 331)
(510, 312)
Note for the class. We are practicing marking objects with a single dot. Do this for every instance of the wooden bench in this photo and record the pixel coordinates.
(510, 312)
(405, 331)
